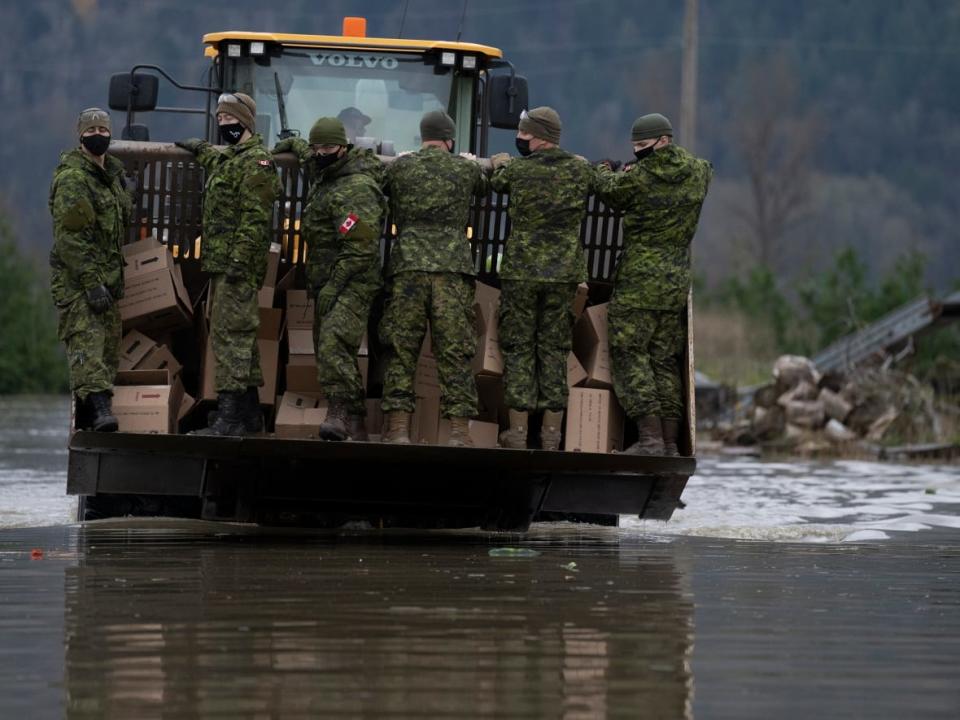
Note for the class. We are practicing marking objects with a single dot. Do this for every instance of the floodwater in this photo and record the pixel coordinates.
(787, 590)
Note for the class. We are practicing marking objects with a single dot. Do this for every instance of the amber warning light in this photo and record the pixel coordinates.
(354, 27)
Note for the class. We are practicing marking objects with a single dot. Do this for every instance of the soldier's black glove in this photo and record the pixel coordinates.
(99, 299)
(190, 144)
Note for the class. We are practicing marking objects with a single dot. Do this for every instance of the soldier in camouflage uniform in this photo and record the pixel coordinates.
(341, 225)
(542, 264)
(431, 279)
(241, 189)
(660, 197)
(91, 210)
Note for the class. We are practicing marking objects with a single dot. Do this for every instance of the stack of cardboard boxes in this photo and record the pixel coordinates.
(148, 394)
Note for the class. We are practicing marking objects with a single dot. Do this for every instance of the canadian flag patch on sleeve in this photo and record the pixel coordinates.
(347, 225)
(265, 163)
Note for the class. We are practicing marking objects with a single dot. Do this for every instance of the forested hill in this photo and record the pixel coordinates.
(830, 123)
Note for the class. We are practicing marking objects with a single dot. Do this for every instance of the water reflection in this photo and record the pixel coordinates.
(176, 624)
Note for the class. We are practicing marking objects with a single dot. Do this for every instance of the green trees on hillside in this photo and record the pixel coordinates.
(30, 357)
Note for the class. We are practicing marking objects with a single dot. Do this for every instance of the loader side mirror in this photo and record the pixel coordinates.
(508, 98)
(142, 94)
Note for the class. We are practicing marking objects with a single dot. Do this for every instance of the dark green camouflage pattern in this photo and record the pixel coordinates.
(536, 325)
(646, 347)
(350, 186)
(238, 201)
(92, 343)
(548, 201)
(446, 300)
(346, 257)
(91, 211)
(337, 336)
(234, 321)
(660, 197)
(430, 193)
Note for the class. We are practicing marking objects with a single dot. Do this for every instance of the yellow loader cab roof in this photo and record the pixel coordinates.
(212, 40)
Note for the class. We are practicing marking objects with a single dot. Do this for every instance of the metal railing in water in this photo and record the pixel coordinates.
(171, 195)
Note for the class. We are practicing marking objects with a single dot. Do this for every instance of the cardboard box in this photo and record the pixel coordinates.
(576, 375)
(147, 401)
(160, 358)
(299, 416)
(592, 347)
(488, 359)
(483, 434)
(265, 297)
(580, 299)
(187, 404)
(374, 419)
(594, 421)
(154, 295)
(134, 347)
(301, 374)
(299, 310)
(300, 342)
(490, 396)
(425, 423)
(273, 267)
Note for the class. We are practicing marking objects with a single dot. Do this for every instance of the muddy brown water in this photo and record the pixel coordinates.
(170, 619)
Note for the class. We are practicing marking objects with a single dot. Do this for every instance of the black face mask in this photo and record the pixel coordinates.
(325, 161)
(95, 144)
(645, 152)
(231, 133)
(523, 147)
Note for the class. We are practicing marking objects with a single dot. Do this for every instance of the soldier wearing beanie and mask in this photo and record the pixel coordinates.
(341, 224)
(241, 189)
(542, 264)
(91, 211)
(431, 277)
(660, 196)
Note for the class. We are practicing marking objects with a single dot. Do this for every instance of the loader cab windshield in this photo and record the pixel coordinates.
(379, 96)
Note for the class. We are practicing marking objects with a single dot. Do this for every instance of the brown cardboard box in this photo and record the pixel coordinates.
(160, 358)
(299, 310)
(301, 374)
(591, 345)
(575, 372)
(265, 297)
(488, 359)
(134, 347)
(273, 266)
(580, 299)
(374, 419)
(483, 434)
(154, 296)
(490, 396)
(594, 421)
(425, 423)
(300, 342)
(187, 403)
(147, 401)
(299, 416)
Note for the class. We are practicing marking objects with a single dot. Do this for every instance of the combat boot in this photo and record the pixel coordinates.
(550, 430)
(671, 433)
(252, 414)
(459, 432)
(357, 426)
(229, 420)
(398, 428)
(336, 426)
(650, 441)
(516, 436)
(103, 419)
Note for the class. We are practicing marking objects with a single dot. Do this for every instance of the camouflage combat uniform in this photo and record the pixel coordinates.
(542, 264)
(431, 278)
(91, 211)
(341, 225)
(241, 188)
(661, 198)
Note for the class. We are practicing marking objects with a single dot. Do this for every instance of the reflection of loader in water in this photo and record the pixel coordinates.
(181, 624)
